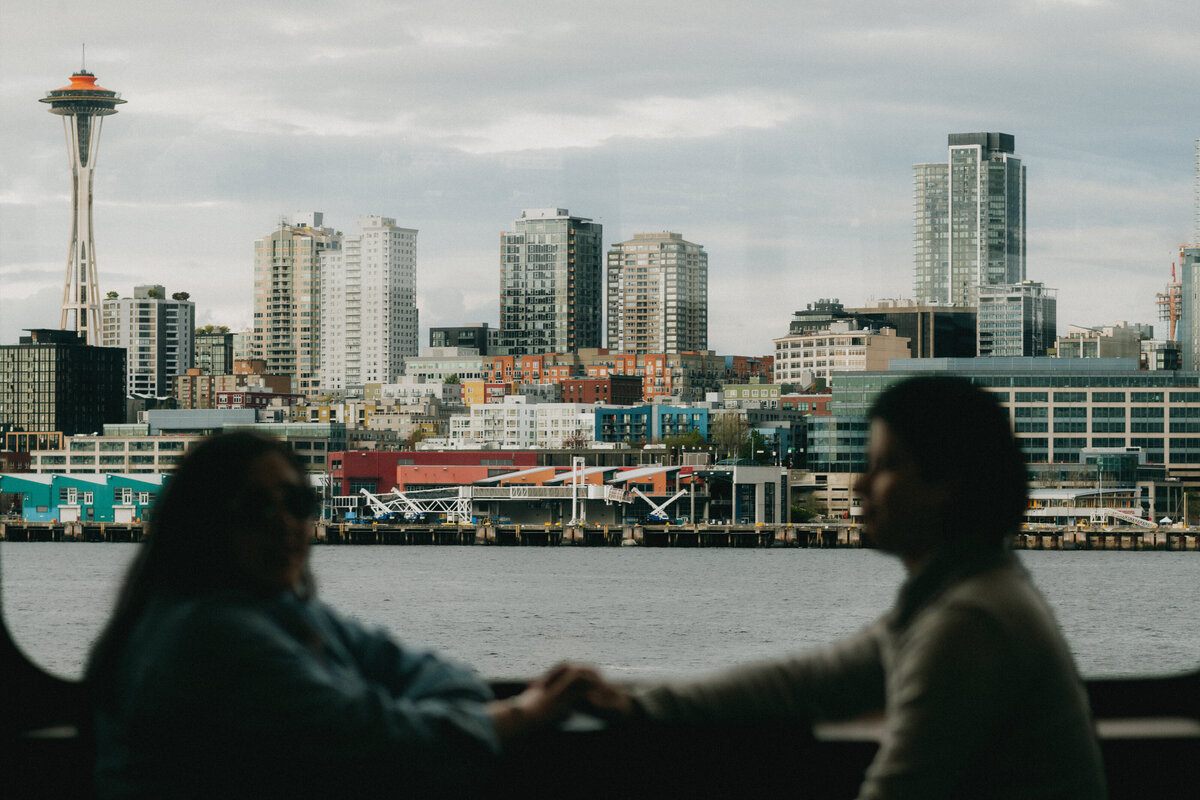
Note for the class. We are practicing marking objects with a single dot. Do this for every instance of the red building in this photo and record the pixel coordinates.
(740, 369)
(379, 471)
(815, 403)
(244, 398)
(14, 461)
(620, 390)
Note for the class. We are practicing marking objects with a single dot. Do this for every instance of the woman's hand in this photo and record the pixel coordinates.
(545, 702)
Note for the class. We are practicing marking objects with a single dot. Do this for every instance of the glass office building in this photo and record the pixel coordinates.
(1059, 408)
(550, 283)
(969, 216)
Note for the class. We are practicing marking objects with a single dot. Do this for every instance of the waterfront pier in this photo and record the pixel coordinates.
(806, 535)
(20, 531)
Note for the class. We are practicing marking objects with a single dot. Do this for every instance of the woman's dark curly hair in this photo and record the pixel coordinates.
(188, 546)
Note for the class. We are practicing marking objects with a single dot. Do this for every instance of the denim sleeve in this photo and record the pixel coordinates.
(361, 704)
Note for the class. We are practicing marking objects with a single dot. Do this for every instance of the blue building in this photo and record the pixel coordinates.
(95, 497)
(648, 423)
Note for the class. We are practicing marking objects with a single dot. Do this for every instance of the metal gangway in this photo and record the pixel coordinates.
(456, 502)
(1098, 516)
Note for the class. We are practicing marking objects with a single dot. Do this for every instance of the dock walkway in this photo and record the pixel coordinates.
(813, 535)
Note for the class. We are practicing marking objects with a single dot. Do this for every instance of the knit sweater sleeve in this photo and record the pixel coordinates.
(842, 681)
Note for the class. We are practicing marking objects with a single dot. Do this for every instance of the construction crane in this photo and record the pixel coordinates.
(1170, 303)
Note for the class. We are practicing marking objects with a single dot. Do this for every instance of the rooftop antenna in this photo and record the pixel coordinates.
(83, 57)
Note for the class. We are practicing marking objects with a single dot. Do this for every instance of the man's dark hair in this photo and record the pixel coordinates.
(960, 437)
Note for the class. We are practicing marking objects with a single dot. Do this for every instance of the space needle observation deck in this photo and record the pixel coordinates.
(83, 106)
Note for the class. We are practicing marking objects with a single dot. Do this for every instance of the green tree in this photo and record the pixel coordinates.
(154, 294)
(755, 447)
(111, 296)
(806, 507)
(180, 296)
(693, 440)
(212, 329)
(452, 379)
(728, 432)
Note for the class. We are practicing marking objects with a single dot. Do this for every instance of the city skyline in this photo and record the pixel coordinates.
(781, 137)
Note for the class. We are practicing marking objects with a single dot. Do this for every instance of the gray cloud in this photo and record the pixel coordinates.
(779, 135)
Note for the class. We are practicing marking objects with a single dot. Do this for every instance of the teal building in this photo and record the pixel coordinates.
(83, 497)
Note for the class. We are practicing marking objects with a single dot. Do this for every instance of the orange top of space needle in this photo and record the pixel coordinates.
(82, 81)
(82, 95)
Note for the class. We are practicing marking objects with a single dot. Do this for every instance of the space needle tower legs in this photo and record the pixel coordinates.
(83, 106)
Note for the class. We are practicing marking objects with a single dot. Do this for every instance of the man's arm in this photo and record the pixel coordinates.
(841, 681)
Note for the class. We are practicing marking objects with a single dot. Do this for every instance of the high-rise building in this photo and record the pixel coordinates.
(1187, 332)
(53, 381)
(475, 335)
(287, 302)
(156, 333)
(970, 220)
(83, 106)
(368, 305)
(550, 283)
(1019, 319)
(657, 295)
(213, 352)
(1196, 199)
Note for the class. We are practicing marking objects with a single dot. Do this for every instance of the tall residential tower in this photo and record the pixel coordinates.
(83, 106)
(550, 283)
(287, 289)
(368, 305)
(970, 220)
(657, 295)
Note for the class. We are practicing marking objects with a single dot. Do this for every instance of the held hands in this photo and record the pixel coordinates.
(544, 702)
(551, 699)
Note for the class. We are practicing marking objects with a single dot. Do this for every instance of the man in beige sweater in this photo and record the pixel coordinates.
(980, 693)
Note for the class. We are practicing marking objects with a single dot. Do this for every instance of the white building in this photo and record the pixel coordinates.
(440, 363)
(1019, 319)
(368, 305)
(519, 424)
(407, 390)
(155, 331)
(123, 454)
(839, 348)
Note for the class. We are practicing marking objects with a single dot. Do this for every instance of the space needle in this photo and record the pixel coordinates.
(83, 106)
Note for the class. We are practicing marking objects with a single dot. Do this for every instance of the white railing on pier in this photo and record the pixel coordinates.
(456, 502)
(1125, 516)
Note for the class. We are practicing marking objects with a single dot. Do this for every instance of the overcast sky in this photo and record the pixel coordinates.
(780, 135)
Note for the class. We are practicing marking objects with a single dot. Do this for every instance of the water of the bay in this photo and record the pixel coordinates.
(634, 612)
